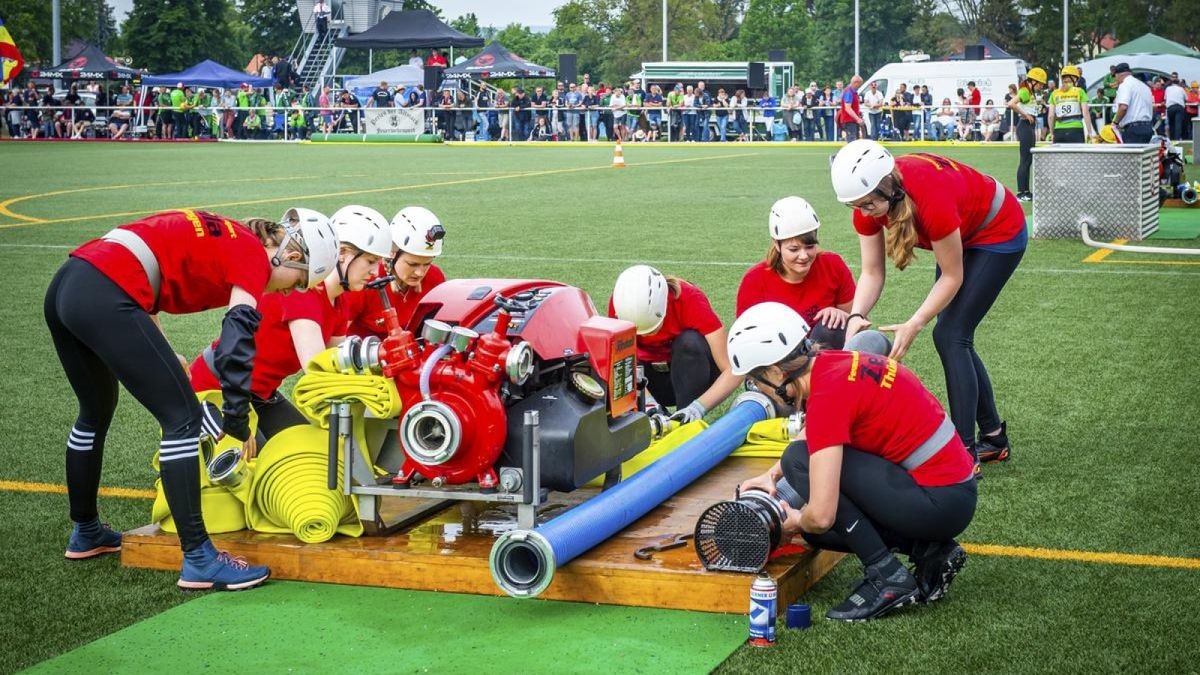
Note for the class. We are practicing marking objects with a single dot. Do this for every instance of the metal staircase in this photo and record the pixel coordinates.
(316, 57)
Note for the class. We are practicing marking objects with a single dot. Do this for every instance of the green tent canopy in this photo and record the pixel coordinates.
(1152, 44)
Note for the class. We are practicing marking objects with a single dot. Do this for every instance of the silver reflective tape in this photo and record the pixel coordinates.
(930, 447)
(140, 250)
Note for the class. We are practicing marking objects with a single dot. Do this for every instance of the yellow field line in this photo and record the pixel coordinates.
(1135, 559)
(1102, 253)
(22, 486)
(1058, 555)
(397, 188)
(1152, 262)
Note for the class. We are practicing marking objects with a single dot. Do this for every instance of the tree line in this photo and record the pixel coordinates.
(613, 37)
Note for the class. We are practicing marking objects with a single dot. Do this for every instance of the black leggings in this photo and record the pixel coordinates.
(1068, 136)
(274, 415)
(692, 371)
(103, 337)
(967, 383)
(1027, 137)
(881, 508)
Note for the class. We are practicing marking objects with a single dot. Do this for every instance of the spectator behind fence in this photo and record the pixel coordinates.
(520, 115)
(444, 116)
(812, 124)
(793, 118)
(873, 101)
(703, 105)
(689, 113)
(654, 105)
(739, 107)
(850, 120)
(381, 97)
(675, 113)
(768, 104)
(1175, 97)
(573, 100)
(945, 123)
(120, 117)
(462, 115)
(502, 118)
(591, 104)
(228, 108)
(721, 112)
(541, 130)
(989, 121)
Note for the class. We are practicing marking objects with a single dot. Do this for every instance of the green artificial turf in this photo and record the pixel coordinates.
(298, 627)
(1178, 223)
(1091, 363)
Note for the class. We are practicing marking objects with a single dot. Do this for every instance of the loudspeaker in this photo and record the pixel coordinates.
(973, 53)
(433, 77)
(756, 75)
(777, 55)
(568, 69)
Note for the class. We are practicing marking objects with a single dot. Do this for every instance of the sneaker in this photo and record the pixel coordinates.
(990, 449)
(1024, 196)
(877, 595)
(937, 569)
(83, 546)
(205, 568)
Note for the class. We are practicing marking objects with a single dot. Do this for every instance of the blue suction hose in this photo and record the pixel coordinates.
(523, 561)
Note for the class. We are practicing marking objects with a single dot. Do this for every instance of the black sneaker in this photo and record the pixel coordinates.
(990, 449)
(937, 569)
(1024, 196)
(876, 594)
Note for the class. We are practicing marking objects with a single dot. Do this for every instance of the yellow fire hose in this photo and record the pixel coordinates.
(286, 490)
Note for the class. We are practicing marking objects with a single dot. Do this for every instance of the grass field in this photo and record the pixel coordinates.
(1092, 364)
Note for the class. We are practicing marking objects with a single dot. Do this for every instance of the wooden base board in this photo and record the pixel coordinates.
(449, 552)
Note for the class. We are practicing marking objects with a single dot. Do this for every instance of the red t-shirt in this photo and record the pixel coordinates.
(690, 310)
(950, 196)
(874, 404)
(1160, 99)
(364, 309)
(275, 357)
(976, 99)
(201, 257)
(827, 284)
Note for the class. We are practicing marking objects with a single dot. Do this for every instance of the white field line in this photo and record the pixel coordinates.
(745, 264)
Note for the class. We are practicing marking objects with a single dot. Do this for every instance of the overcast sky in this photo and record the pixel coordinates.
(497, 13)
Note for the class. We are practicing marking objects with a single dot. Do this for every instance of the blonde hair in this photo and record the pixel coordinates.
(271, 234)
(774, 257)
(902, 223)
(674, 283)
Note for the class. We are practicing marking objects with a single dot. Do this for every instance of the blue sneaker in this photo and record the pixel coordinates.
(83, 546)
(205, 568)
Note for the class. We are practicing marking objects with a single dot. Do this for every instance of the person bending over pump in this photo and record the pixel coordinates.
(417, 237)
(680, 340)
(976, 230)
(880, 468)
(298, 326)
(799, 274)
(101, 307)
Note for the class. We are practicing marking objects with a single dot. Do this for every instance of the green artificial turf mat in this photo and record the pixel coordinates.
(1178, 223)
(290, 626)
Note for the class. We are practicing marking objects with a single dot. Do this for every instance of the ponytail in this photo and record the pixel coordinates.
(902, 221)
(273, 235)
(675, 284)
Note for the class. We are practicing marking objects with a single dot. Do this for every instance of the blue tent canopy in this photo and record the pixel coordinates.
(208, 74)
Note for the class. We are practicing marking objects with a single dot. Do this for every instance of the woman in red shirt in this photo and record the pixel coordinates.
(298, 326)
(101, 309)
(798, 273)
(879, 465)
(680, 341)
(417, 236)
(976, 230)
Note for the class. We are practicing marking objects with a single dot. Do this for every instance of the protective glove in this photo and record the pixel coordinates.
(234, 358)
(694, 411)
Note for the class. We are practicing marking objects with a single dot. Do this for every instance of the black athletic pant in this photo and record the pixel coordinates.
(1027, 137)
(880, 506)
(103, 337)
(967, 383)
(691, 372)
(1068, 136)
(274, 415)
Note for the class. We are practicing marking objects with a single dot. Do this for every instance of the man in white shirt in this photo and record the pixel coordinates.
(415, 60)
(1176, 97)
(322, 12)
(873, 101)
(1135, 107)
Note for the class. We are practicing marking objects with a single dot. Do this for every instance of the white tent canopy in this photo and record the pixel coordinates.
(1155, 64)
(406, 75)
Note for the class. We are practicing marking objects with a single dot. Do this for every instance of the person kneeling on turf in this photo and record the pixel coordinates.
(881, 467)
(679, 338)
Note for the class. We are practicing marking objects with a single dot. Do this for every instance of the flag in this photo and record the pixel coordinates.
(11, 62)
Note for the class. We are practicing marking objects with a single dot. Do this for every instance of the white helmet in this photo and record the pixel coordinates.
(364, 228)
(792, 217)
(764, 335)
(640, 297)
(417, 231)
(318, 239)
(858, 168)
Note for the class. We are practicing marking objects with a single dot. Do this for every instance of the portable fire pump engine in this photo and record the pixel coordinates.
(512, 388)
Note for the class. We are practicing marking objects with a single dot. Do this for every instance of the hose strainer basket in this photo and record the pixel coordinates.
(739, 535)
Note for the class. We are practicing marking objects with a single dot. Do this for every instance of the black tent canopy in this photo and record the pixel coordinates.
(496, 62)
(991, 50)
(411, 29)
(89, 64)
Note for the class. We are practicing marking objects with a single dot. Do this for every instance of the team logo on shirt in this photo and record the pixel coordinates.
(878, 368)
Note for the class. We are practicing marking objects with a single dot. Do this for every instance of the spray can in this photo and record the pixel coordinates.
(764, 598)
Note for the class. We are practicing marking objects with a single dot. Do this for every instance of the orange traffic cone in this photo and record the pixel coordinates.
(618, 156)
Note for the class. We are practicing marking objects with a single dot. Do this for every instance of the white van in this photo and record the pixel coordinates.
(945, 78)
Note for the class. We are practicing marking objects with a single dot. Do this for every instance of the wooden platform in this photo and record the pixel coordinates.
(449, 552)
